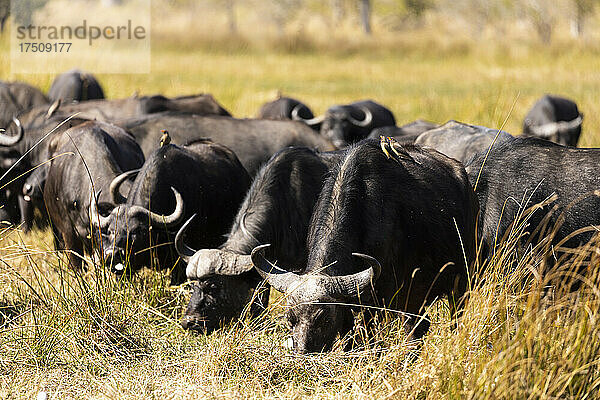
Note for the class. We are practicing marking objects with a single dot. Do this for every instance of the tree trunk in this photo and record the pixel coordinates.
(578, 21)
(111, 3)
(337, 7)
(365, 15)
(544, 30)
(231, 17)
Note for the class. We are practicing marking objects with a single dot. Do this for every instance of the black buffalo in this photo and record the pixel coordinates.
(21, 138)
(202, 179)
(32, 198)
(462, 141)
(75, 85)
(379, 215)
(350, 123)
(524, 172)
(254, 141)
(21, 150)
(288, 108)
(407, 133)
(554, 118)
(88, 157)
(16, 98)
(132, 107)
(277, 210)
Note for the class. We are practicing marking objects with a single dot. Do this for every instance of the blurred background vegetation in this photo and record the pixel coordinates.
(316, 22)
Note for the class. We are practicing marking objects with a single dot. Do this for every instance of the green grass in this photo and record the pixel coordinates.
(91, 336)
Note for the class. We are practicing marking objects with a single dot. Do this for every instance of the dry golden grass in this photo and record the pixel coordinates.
(92, 336)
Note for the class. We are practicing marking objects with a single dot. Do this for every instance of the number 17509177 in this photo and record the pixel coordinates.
(27, 47)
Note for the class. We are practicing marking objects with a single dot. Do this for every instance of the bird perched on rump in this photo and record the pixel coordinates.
(165, 139)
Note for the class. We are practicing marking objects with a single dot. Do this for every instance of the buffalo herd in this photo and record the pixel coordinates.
(338, 212)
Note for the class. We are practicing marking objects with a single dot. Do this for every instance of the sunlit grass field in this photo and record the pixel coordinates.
(91, 336)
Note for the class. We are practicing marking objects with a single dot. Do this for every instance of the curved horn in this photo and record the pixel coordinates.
(364, 122)
(353, 285)
(546, 130)
(552, 128)
(281, 280)
(210, 262)
(7, 141)
(310, 122)
(184, 251)
(53, 108)
(116, 183)
(95, 216)
(372, 262)
(164, 220)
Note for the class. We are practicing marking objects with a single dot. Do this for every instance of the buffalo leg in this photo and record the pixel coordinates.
(26, 209)
(75, 251)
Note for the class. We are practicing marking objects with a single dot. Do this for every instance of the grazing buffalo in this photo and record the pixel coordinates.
(75, 85)
(285, 108)
(554, 118)
(350, 123)
(277, 210)
(407, 133)
(377, 219)
(254, 141)
(57, 118)
(202, 179)
(462, 141)
(21, 150)
(88, 157)
(523, 172)
(132, 107)
(32, 198)
(16, 98)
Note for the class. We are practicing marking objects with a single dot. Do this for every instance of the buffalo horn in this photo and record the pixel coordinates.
(116, 183)
(280, 279)
(366, 121)
(184, 251)
(310, 122)
(95, 216)
(354, 284)
(165, 220)
(7, 141)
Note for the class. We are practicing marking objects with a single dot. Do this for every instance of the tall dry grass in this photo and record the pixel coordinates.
(529, 330)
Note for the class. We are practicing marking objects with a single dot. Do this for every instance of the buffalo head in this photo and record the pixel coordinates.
(223, 286)
(344, 125)
(314, 313)
(129, 231)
